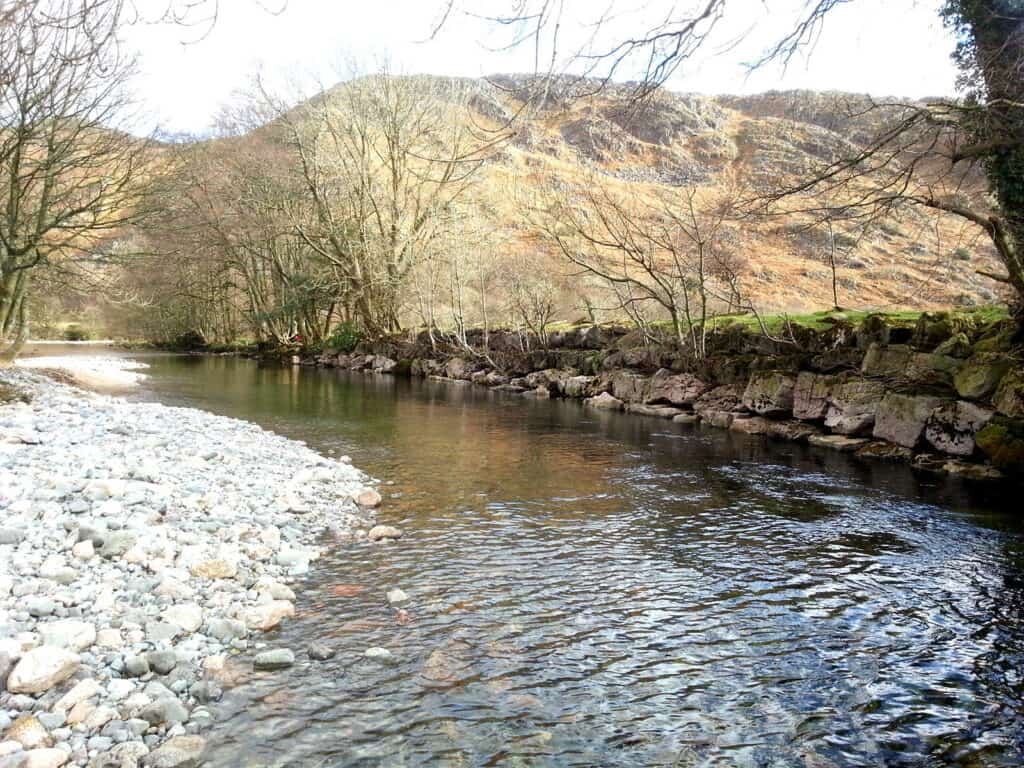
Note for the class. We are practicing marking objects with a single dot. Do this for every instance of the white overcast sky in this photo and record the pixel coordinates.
(883, 47)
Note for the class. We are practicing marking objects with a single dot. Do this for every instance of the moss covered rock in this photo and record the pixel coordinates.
(887, 361)
(979, 376)
(770, 393)
(958, 345)
(1002, 441)
(811, 395)
(1009, 397)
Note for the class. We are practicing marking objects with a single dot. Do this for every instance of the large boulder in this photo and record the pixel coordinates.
(811, 395)
(1009, 398)
(852, 406)
(1002, 441)
(41, 669)
(888, 361)
(901, 419)
(628, 387)
(605, 401)
(952, 426)
(457, 368)
(678, 389)
(577, 386)
(979, 376)
(901, 362)
(724, 399)
(770, 393)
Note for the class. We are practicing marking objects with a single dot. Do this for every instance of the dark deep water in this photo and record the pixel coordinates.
(595, 589)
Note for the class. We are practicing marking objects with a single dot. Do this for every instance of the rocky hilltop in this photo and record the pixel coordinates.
(560, 140)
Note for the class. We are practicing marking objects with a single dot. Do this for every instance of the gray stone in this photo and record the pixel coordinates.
(206, 691)
(163, 711)
(136, 666)
(605, 401)
(397, 597)
(179, 752)
(320, 651)
(750, 425)
(157, 631)
(226, 630)
(380, 655)
(379, 532)
(656, 411)
(952, 426)
(853, 405)
(6, 665)
(679, 389)
(68, 633)
(901, 419)
(840, 443)
(100, 743)
(628, 387)
(11, 536)
(40, 606)
(887, 361)
(811, 396)
(115, 544)
(770, 393)
(278, 658)
(162, 662)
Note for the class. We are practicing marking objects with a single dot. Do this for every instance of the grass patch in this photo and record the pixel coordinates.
(822, 321)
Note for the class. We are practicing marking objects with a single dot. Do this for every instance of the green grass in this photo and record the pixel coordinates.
(822, 321)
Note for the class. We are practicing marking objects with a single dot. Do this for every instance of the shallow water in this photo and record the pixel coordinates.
(599, 589)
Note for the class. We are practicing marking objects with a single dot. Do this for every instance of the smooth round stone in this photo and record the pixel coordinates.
(278, 658)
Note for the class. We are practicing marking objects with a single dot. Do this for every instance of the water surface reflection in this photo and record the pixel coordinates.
(596, 589)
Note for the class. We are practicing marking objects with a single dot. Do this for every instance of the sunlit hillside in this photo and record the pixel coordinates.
(752, 143)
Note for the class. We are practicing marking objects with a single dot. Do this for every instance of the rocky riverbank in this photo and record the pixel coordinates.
(944, 393)
(144, 550)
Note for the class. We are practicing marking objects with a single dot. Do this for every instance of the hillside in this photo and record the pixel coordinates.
(919, 261)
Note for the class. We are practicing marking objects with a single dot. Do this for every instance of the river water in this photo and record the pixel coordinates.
(596, 589)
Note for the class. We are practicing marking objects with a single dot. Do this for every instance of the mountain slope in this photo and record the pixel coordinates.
(922, 260)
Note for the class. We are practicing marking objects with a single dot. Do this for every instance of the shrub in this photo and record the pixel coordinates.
(344, 337)
(75, 332)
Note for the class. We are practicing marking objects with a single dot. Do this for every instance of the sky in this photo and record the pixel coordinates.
(882, 47)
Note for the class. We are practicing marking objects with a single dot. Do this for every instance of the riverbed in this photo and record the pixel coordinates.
(590, 588)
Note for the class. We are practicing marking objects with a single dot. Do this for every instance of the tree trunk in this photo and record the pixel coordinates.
(13, 314)
(999, 51)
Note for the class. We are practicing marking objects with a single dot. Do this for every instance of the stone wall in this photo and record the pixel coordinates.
(946, 394)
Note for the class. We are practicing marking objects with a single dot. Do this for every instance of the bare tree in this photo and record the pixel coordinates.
(383, 159)
(678, 254)
(67, 166)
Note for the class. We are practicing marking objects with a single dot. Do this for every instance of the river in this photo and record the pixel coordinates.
(597, 589)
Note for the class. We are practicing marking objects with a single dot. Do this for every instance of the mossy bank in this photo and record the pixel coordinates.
(943, 391)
